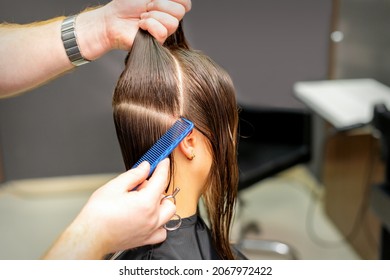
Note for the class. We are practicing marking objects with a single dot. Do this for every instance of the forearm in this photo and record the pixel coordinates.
(76, 243)
(30, 55)
(116, 218)
(34, 54)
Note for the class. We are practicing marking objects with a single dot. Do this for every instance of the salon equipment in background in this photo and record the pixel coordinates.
(271, 140)
(380, 196)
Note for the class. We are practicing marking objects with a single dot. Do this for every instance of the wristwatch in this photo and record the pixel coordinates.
(69, 39)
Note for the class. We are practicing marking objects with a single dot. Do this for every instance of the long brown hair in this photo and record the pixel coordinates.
(162, 83)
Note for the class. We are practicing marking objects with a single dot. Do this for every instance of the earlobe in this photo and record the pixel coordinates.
(192, 155)
(187, 146)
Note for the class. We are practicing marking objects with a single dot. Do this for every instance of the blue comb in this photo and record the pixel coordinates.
(166, 144)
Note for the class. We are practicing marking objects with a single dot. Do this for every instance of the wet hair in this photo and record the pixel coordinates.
(161, 83)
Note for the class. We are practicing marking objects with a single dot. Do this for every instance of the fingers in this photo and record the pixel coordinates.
(187, 4)
(162, 18)
(169, 22)
(133, 177)
(154, 188)
(174, 8)
(158, 182)
(155, 28)
(167, 210)
(157, 237)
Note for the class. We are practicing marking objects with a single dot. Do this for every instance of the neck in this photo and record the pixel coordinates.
(191, 186)
(190, 176)
(187, 198)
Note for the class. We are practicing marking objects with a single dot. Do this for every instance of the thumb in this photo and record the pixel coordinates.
(158, 182)
(167, 210)
(132, 178)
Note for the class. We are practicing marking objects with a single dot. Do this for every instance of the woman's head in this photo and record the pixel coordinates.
(161, 84)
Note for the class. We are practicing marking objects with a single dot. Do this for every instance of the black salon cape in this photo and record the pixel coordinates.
(192, 241)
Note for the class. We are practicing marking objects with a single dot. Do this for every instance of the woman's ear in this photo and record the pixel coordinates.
(188, 145)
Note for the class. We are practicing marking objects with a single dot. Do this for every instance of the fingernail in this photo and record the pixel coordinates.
(142, 21)
(149, 6)
(144, 165)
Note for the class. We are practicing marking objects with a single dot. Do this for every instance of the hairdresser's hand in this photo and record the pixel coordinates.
(115, 218)
(99, 30)
(159, 17)
(117, 23)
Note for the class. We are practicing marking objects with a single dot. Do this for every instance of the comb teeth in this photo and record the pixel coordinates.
(166, 144)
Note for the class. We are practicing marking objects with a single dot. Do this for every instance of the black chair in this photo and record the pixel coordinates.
(380, 196)
(271, 140)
